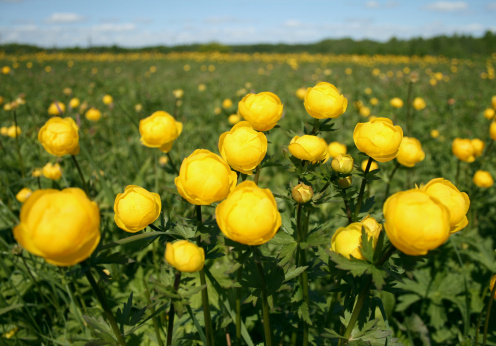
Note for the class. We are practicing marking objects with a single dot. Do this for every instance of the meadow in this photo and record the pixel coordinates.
(309, 293)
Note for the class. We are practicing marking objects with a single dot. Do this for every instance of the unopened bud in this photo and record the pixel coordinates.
(343, 163)
(345, 182)
(302, 193)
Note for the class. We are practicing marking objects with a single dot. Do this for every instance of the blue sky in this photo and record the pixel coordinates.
(128, 23)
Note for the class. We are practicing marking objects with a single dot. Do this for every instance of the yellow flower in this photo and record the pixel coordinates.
(74, 103)
(159, 130)
(478, 147)
(136, 208)
(67, 91)
(364, 111)
(336, 148)
(178, 93)
(52, 171)
(434, 133)
(489, 113)
(14, 131)
(227, 103)
(373, 165)
(234, 119)
(348, 240)
(60, 136)
(372, 227)
(493, 101)
(1, 100)
(491, 285)
(37, 172)
(416, 222)
(492, 130)
(205, 178)
(243, 147)
(249, 215)
(455, 201)
(410, 152)
(483, 179)
(93, 114)
(60, 226)
(4, 131)
(396, 102)
(163, 160)
(262, 110)
(56, 108)
(342, 164)
(107, 99)
(138, 107)
(23, 195)
(374, 101)
(463, 149)
(345, 182)
(324, 101)
(300, 93)
(309, 148)
(202, 87)
(418, 103)
(185, 256)
(378, 138)
(302, 193)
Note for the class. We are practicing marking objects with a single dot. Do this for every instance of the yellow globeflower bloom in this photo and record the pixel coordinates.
(463, 149)
(300, 93)
(342, 164)
(378, 138)
(416, 222)
(4, 131)
(325, 101)
(249, 215)
(243, 147)
(434, 133)
(374, 101)
(14, 131)
(234, 119)
(159, 130)
(336, 148)
(227, 103)
(488, 113)
(309, 148)
(107, 99)
(23, 195)
(52, 171)
(410, 152)
(93, 114)
(6, 69)
(418, 103)
(136, 208)
(262, 110)
(63, 227)
(373, 165)
(56, 108)
(205, 178)
(364, 111)
(60, 136)
(478, 146)
(348, 240)
(483, 179)
(185, 256)
(74, 103)
(492, 130)
(302, 193)
(396, 102)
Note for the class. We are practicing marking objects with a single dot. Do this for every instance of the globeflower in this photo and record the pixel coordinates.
(159, 130)
(396, 102)
(325, 101)
(56, 108)
(249, 215)
(14, 131)
(205, 178)
(262, 110)
(136, 208)
(309, 148)
(418, 103)
(342, 164)
(410, 152)
(492, 130)
(93, 114)
(336, 148)
(185, 256)
(478, 146)
(63, 227)
(74, 103)
(60, 136)
(348, 240)
(415, 222)
(463, 149)
(243, 147)
(52, 171)
(483, 179)
(302, 193)
(23, 194)
(107, 99)
(378, 138)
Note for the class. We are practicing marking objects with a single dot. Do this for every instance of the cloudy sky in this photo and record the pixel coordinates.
(138, 23)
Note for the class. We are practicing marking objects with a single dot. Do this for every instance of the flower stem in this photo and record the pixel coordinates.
(206, 311)
(170, 326)
(357, 308)
(302, 261)
(239, 276)
(257, 175)
(106, 308)
(346, 205)
(265, 303)
(85, 187)
(488, 315)
(18, 146)
(386, 195)
(362, 188)
(154, 318)
(174, 168)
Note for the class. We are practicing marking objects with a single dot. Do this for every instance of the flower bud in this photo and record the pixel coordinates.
(159, 130)
(372, 227)
(345, 182)
(434, 133)
(416, 222)
(185, 256)
(23, 195)
(233, 119)
(262, 110)
(378, 138)
(324, 101)
(52, 171)
(93, 114)
(60, 136)
(455, 201)
(463, 149)
(410, 152)
(342, 164)
(205, 178)
(483, 179)
(302, 193)
(309, 148)
(63, 227)
(136, 208)
(249, 215)
(243, 147)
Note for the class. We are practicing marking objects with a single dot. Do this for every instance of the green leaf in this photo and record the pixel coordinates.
(378, 276)
(293, 272)
(131, 239)
(405, 300)
(354, 266)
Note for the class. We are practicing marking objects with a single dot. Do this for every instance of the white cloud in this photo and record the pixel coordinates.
(220, 20)
(292, 23)
(64, 18)
(447, 6)
(372, 4)
(491, 6)
(114, 27)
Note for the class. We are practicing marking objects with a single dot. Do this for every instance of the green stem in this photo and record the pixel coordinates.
(358, 308)
(488, 315)
(206, 311)
(257, 175)
(154, 318)
(106, 308)
(174, 168)
(408, 109)
(315, 129)
(265, 303)
(362, 188)
(346, 205)
(170, 326)
(467, 298)
(239, 276)
(85, 187)
(386, 195)
(302, 261)
(457, 172)
(18, 146)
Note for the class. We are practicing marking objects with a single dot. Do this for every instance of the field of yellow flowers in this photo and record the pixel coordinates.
(247, 199)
